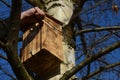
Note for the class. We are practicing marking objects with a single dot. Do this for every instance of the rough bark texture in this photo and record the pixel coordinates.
(63, 10)
(11, 46)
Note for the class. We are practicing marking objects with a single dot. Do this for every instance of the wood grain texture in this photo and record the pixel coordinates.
(42, 50)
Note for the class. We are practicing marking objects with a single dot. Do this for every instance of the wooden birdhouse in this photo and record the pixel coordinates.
(42, 50)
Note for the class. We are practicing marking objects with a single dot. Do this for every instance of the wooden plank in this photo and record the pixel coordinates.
(53, 38)
(42, 46)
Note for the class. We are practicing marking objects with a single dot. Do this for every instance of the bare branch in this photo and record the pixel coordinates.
(79, 8)
(96, 25)
(14, 22)
(8, 5)
(3, 57)
(11, 46)
(98, 29)
(103, 61)
(75, 15)
(92, 58)
(4, 24)
(100, 70)
(96, 5)
(2, 44)
(8, 74)
(98, 41)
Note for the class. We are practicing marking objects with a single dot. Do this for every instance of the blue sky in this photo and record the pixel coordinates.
(107, 18)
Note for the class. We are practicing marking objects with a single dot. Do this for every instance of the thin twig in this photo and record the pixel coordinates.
(100, 70)
(92, 58)
(8, 5)
(98, 29)
(4, 24)
(8, 74)
(3, 57)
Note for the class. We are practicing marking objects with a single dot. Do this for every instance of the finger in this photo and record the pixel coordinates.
(39, 11)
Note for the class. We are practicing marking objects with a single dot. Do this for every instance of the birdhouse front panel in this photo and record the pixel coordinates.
(42, 50)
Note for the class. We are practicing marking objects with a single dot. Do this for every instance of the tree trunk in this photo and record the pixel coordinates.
(63, 10)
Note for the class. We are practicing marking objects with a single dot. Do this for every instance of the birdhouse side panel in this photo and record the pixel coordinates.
(30, 47)
(52, 38)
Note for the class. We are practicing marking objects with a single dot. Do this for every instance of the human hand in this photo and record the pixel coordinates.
(32, 15)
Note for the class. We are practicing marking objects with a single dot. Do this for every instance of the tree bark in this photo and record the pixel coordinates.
(12, 42)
